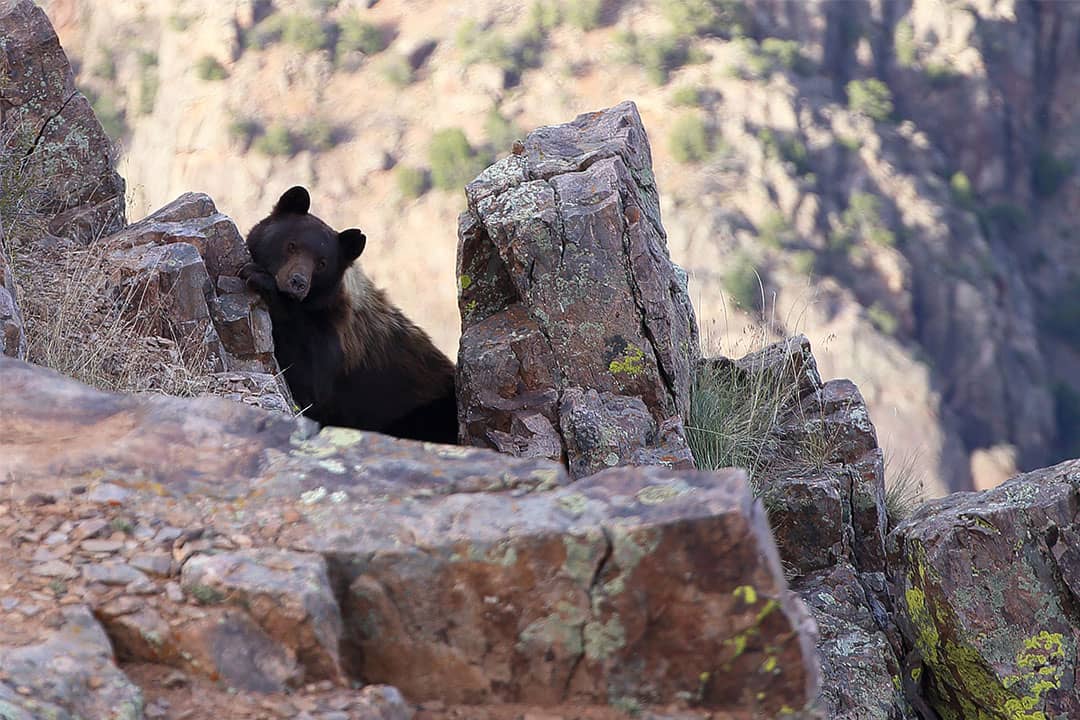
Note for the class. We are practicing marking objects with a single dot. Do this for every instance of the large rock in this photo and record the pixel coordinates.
(577, 327)
(69, 673)
(54, 122)
(461, 574)
(178, 269)
(987, 585)
(640, 585)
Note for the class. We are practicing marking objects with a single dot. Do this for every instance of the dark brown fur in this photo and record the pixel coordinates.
(350, 357)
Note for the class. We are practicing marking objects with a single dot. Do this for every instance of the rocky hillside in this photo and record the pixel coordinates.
(892, 178)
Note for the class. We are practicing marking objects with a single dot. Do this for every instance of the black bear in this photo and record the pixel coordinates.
(350, 357)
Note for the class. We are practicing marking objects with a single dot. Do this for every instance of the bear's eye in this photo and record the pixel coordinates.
(291, 248)
(322, 264)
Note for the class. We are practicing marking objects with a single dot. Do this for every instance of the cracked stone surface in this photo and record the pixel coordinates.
(566, 284)
(988, 583)
(462, 575)
(53, 120)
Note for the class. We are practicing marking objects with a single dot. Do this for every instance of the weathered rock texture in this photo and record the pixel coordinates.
(48, 118)
(821, 477)
(456, 573)
(578, 334)
(177, 271)
(988, 584)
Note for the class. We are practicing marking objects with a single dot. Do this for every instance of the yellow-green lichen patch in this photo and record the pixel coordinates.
(582, 555)
(332, 465)
(659, 494)
(628, 548)
(631, 363)
(545, 479)
(603, 640)
(562, 629)
(746, 593)
(573, 503)
(465, 282)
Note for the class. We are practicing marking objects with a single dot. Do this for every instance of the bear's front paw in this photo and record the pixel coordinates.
(257, 279)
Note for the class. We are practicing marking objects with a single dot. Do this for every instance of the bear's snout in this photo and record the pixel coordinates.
(298, 285)
(294, 279)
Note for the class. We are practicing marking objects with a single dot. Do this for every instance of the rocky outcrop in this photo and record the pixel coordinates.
(568, 228)
(987, 590)
(455, 573)
(177, 274)
(51, 121)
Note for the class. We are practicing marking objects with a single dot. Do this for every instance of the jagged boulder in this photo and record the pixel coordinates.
(49, 120)
(578, 337)
(461, 574)
(177, 271)
(987, 585)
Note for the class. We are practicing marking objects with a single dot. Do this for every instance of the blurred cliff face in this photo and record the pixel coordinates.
(899, 188)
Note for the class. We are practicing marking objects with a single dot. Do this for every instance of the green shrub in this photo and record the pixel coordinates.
(412, 182)
(544, 16)
(513, 56)
(941, 75)
(501, 131)
(962, 193)
(863, 217)
(785, 54)
(208, 68)
(106, 65)
(244, 131)
(454, 162)
(307, 33)
(687, 96)
(319, 135)
(741, 280)
(804, 261)
(659, 56)
(585, 14)
(397, 70)
(146, 59)
(179, 22)
(689, 139)
(356, 35)
(787, 148)
(904, 44)
(1049, 173)
(266, 32)
(111, 117)
(871, 98)
(277, 141)
(148, 89)
(882, 319)
(775, 231)
(691, 18)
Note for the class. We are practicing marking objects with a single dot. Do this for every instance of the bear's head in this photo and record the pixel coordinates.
(306, 257)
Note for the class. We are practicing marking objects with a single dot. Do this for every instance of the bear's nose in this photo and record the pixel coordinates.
(298, 283)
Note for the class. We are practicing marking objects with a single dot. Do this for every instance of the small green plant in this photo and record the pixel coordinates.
(871, 98)
(244, 131)
(206, 595)
(1049, 173)
(689, 140)
(180, 22)
(122, 524)
(501, 131)
(904, 44)
(397, 70)
(544, 16)
(863, 218)
(277, 141)
(962, 193)
(785, 54)
(743, 283)
(454, 162)
(266, 32)
(319, 135)
(692, 18)
(941, 75)
(306, 33)
(111, 117)
(882, 319)
(785, 147)
(688, 96)
(585, 14)
(904, 488)
(357, 35)
(208, 68)
(149, 82)
(105, 68)
(412, 182)
(775, 231)
(803, 262)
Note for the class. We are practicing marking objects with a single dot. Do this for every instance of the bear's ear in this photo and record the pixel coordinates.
(352, 243)
(295, 201)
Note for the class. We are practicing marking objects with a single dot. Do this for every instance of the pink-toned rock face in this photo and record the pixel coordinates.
(50, 118)
(566, 284)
